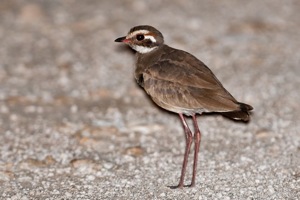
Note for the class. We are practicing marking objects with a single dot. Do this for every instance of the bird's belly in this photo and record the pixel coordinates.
(177, 109)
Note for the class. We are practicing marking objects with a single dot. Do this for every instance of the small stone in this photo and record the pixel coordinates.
(162, 195)
(263, 133)
(90, 178)
(134, 151)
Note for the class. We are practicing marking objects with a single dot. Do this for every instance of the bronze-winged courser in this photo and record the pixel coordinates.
(179, 82)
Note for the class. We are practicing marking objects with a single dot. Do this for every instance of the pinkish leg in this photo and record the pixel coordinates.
(197, 140)
(189, 139)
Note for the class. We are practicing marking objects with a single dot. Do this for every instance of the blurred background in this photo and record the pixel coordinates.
(75, 125)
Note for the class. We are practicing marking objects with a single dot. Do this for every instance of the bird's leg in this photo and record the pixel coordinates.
(189, 139)
(197, 140)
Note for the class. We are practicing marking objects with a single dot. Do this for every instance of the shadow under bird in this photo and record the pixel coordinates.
(179, 82)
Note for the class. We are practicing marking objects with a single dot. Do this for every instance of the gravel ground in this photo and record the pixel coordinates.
(74, 124)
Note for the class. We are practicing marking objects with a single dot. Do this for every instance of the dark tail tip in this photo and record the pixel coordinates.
(242, 114)
(245, 107)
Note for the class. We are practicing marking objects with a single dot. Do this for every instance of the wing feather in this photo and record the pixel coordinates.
(187, 83)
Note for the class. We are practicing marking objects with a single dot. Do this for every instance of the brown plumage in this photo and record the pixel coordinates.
(179, 82)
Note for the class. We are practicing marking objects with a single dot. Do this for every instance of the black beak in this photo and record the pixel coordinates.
(121, 39)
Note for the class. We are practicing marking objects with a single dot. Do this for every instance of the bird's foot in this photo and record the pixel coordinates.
(181, 186)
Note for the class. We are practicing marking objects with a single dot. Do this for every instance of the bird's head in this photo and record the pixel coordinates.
(143, 39)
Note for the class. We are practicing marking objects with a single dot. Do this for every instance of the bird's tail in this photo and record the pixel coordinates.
(242, 114)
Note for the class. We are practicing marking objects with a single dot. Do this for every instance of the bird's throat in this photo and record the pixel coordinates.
(143, 49)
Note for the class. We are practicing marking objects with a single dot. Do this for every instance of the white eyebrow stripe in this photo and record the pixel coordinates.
(143, 32)
(151, 38)
(138, 32)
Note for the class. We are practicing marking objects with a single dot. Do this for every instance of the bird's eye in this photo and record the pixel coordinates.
(140, 37)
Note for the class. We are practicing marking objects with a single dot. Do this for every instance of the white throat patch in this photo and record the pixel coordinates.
(142, 49)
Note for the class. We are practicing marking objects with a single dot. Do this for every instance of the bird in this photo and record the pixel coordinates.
(180, 83)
